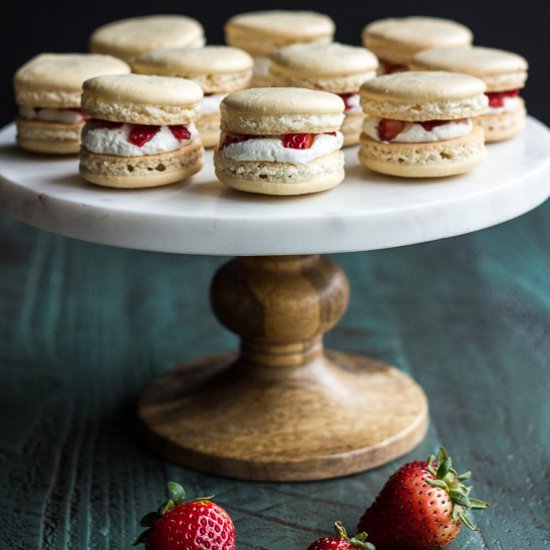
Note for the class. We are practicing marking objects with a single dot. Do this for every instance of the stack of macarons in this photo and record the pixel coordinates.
(47, 92)
(131, 37)
(219, 70)
(504, 74)
(280, 141)
(396, 40)
(141, 131)
(261, 33)
(333, 67)
(419, 124)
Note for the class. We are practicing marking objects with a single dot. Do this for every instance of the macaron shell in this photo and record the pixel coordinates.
(209, 130)
(141, 172)
(424, 160)
(430, 95)
(502, 126)
(499, 69)
(55, 80)
(282, 179)
(142, 99)
(48, 137)
(128, 38)
(351, 128)
(397, 39)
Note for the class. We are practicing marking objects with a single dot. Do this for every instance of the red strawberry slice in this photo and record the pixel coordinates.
(142, 133)
(389, 68)
(109, 124)
(430, 124)
(297, 141)
(496, 99)
(180, 132)
(388, 129)
(228, 139)
(346, 98)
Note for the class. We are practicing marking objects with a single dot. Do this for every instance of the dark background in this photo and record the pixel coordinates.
(29, 28)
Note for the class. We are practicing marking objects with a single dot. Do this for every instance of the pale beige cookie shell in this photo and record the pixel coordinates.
(54, 80)
(48, 137)
(216, 69)
(262, 32)
(499, 69)
(142, 99)
(324, 60)
(141, 172)
(280, 178)
(502, 126)
(424, 160)
(209, 129)
(396, 40)
(351, 128)
(131, 37)
(424, 95)
(270, 111)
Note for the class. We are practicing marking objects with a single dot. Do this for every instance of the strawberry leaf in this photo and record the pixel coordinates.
(148, 519)
(177, 492)
(476, 504)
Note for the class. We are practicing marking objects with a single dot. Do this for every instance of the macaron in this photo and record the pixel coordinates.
(396, 40)
(281, 141)
(419, 124)
(47, 91)
(333, 67)
(141, 132)
(504, 74)
(128, 38)
(260, 33)
(219, 70)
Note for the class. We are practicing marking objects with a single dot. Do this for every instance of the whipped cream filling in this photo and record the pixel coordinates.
(414, 132)
(114, 141)
(509, 104)
(210, 104)
(261, 66)
(271, 149)
(353, 104)
(64, 116)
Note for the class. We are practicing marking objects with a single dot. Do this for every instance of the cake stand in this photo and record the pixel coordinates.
(282, 408)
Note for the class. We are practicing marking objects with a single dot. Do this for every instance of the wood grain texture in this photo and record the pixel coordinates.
(83, 328)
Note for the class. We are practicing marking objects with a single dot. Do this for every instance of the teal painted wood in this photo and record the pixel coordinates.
(83, 327)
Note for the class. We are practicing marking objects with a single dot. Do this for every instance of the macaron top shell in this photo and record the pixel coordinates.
(54, 80)
(272, 111)
(428, 95)
(397, 39)
(499, 69)
(324, 59)
(128, 38)
(141, 99)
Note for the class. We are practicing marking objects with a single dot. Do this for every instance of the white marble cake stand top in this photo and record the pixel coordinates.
(366, 212)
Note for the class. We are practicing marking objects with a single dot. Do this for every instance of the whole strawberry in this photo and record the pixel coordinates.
(421, 506)
(197, 524)
(341, 541)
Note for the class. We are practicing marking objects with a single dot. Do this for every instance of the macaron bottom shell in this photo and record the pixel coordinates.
(424, 160)
(502, 126)
(53, 138)
(143, 171)
(351, 128)
(280, 178)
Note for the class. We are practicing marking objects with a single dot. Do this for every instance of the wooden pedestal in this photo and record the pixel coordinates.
(282, 409)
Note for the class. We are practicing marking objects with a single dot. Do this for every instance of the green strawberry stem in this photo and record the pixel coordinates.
(447, 478)
(358, 541)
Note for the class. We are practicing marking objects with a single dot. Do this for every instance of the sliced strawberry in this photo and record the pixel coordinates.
(388, 128)
(140, 134)
(430, 124)
(228, 139)
(388, 68)
(180, 132)
(109, 124)
(297, 141)
(496, 99)
(346, 98)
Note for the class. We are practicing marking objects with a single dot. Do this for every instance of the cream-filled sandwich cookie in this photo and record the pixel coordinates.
(419, 124)
(261, 33)
(335, 68)
(47, 92)
(281, 141)
(131, 37)
(395, 41)
(141, 132)
(219, 70)
(504, 74)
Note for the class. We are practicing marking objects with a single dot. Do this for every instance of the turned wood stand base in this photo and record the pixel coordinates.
(282, 409)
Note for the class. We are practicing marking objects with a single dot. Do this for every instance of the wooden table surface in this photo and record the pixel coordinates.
(84, 327)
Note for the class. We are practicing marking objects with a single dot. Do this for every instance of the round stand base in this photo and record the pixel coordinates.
(337, 415)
